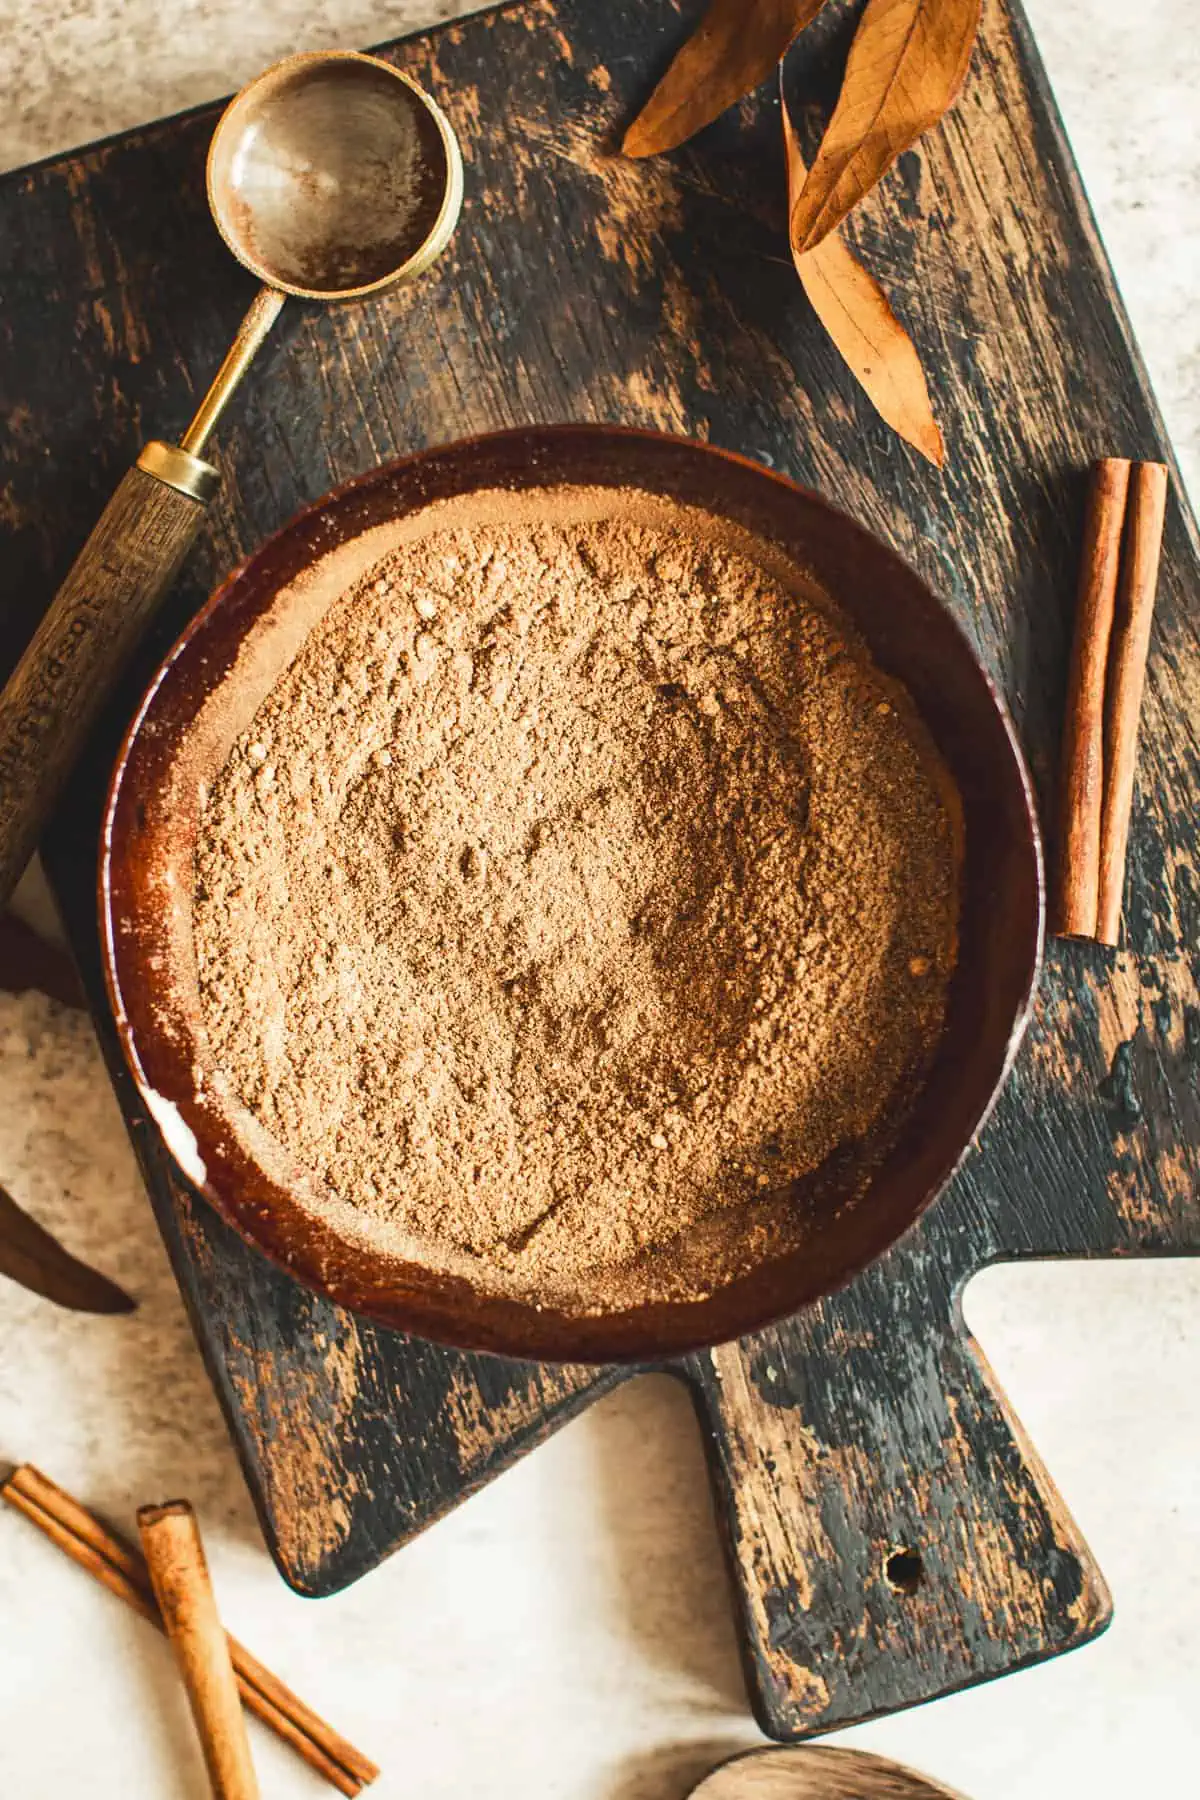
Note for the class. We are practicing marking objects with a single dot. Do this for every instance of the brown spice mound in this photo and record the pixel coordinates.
(579, 886)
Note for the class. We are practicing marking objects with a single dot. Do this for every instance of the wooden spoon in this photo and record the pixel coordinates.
(816, 1772)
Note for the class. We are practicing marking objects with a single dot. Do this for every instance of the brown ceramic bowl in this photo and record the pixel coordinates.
(145, 890)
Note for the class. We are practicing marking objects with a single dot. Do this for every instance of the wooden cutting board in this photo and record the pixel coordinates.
(891, 1533)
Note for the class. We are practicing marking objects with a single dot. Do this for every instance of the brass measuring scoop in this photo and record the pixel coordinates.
(331, 177)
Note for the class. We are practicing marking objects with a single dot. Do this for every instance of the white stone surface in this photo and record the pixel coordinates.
(566, 1634)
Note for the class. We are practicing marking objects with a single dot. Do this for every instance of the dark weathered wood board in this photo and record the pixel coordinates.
(581, 286)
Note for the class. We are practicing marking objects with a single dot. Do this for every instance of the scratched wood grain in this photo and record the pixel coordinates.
(891, 1533)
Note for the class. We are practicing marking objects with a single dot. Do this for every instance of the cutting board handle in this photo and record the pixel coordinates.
(51, 701)
(891, 1533)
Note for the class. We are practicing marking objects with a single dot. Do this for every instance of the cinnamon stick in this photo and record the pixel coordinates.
(119, 1566)
(1146, 510)
(179, 1575)
(1076, 885)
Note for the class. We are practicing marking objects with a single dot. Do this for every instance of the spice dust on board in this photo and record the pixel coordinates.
(579, 905)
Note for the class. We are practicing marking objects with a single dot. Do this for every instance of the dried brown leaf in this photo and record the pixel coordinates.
(30, 961)
(735, 46)
(29, 1255)
(869, 337)
(907, 63)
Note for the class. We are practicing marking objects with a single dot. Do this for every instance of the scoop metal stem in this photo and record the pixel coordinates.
(262, 314)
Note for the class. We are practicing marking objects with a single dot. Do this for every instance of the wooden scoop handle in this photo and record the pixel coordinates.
(80, 647)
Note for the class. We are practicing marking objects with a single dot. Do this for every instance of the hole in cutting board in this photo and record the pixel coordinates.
(905, 1571)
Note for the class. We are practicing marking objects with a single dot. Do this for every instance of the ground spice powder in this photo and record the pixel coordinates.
(579, 906)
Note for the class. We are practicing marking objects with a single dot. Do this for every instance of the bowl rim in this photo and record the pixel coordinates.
(515, 1329)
